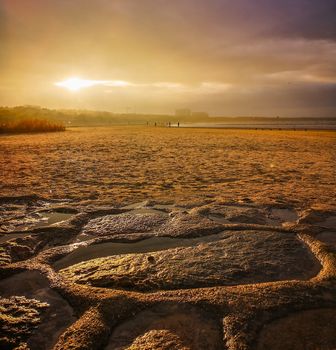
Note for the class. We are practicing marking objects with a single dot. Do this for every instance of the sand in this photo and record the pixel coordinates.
(168, 239)
(130, 164)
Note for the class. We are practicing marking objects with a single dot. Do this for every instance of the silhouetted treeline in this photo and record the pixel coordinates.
(30, 126)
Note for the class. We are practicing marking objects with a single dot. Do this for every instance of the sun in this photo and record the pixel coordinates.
(75, 84)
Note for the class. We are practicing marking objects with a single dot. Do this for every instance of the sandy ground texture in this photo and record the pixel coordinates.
(130, 164)
(216, 239)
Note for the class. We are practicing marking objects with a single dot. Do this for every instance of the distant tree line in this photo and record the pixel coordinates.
(30, 126)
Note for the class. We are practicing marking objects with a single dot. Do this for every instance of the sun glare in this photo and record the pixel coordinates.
(75, 84)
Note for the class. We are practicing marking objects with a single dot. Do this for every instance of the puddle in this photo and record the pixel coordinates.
(51, 218)
(309, 329)
(219, 219)
(33, 221)
(146, 211)
(43, 219)
(330, 222)
(283, 215)
(10, 236)
(328, 238)
(147, 245)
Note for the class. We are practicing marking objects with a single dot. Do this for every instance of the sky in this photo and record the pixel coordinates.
(242, 57)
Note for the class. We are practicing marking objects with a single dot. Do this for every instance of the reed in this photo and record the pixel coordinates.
(31, 126)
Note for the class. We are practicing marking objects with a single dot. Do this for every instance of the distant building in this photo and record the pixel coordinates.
(183, 113)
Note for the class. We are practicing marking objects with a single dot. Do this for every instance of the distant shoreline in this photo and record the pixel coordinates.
(257, 126)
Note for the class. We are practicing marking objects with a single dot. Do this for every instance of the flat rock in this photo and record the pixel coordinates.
(225, 213)
(124, 223)
(236, 258)
(183, 224)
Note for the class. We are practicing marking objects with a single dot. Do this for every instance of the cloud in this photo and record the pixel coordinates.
(76, 84)
(218, 54)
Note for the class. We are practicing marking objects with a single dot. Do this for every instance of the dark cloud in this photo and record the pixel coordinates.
(289, 18)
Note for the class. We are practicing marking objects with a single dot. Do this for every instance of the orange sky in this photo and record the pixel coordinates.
(242, 57)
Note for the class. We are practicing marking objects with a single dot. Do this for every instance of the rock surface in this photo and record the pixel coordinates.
(183, 224)
(123, 223)
(31, 288)
(19, 317)
(236, 258)
(200, 275)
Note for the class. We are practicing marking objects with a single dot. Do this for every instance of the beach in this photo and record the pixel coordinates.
(134, 237)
